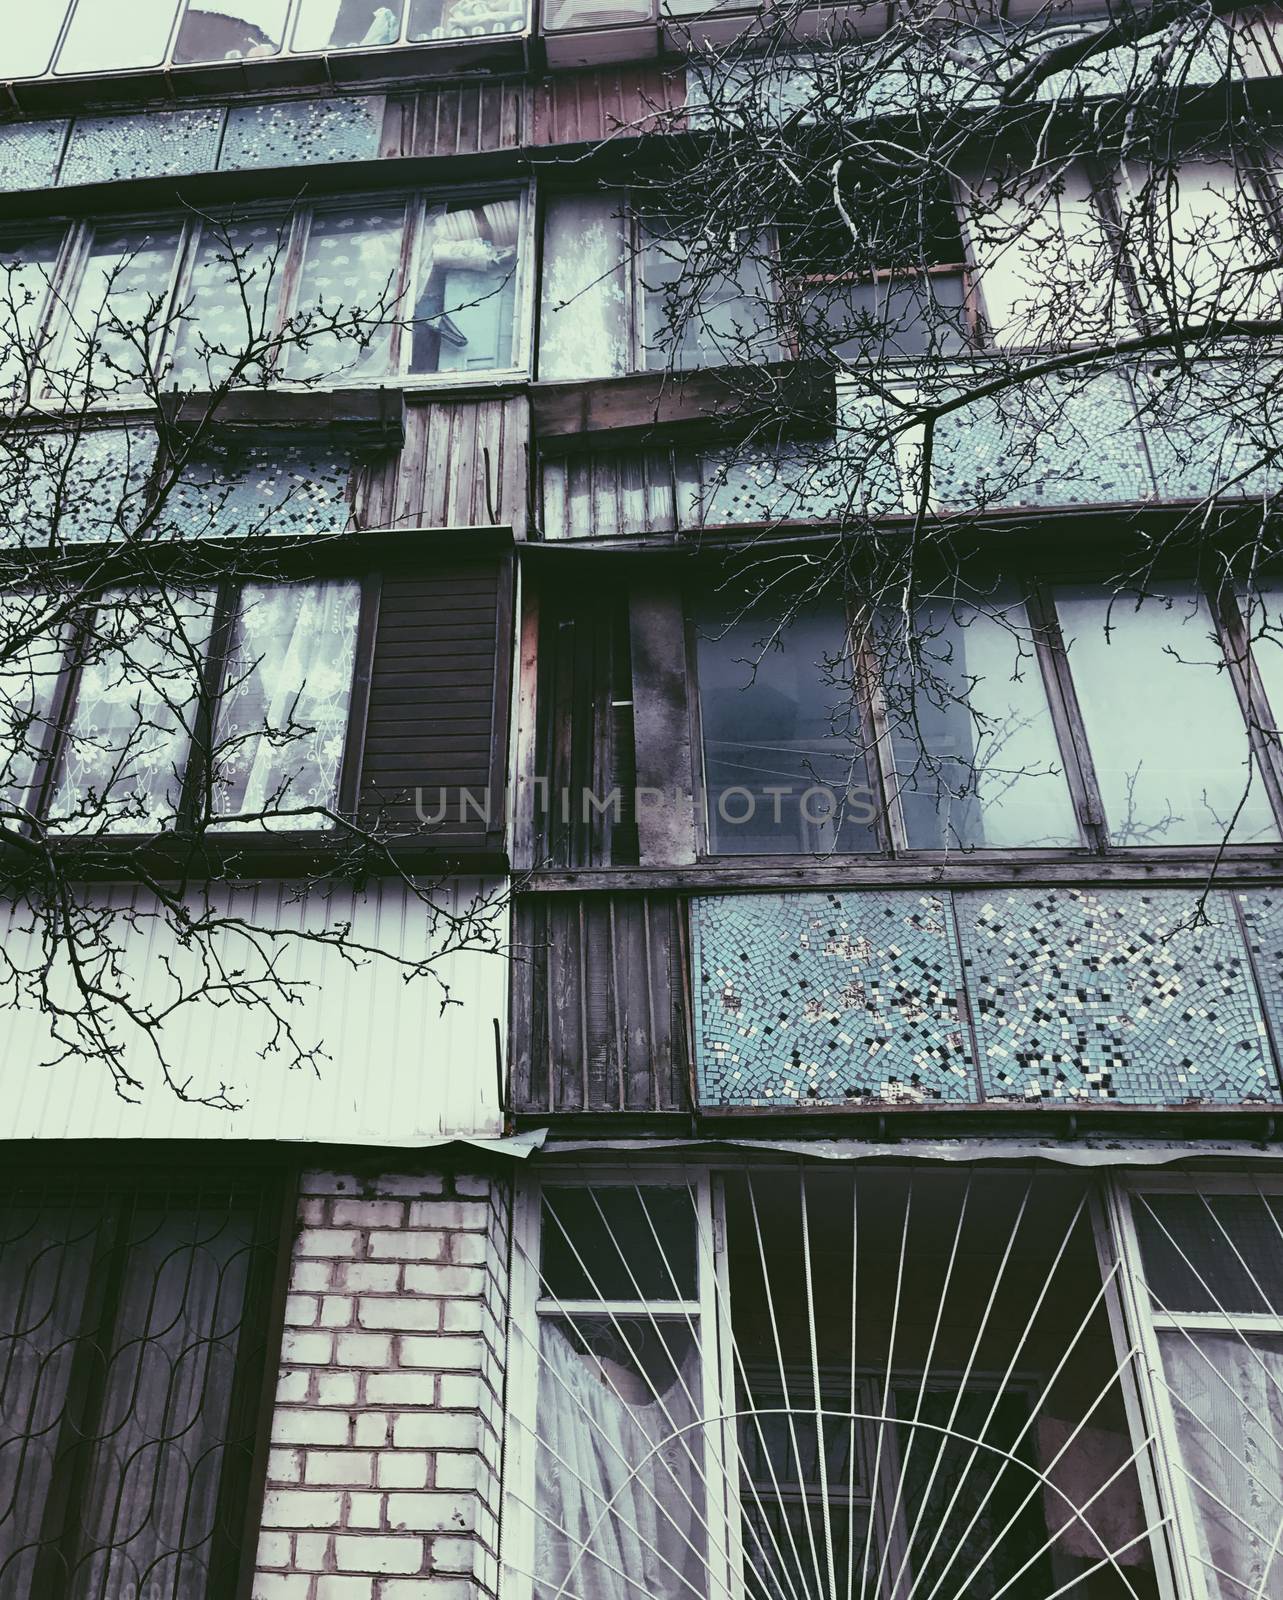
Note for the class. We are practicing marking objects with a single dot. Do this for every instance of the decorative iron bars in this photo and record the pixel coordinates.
(134, 1327)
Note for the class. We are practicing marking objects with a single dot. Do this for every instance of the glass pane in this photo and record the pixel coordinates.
(26, 273)
(135, 708)
(1265, 635)
(784, 765)
(1227, 1400)
(466, 288)
(618, 1243)
(974, 744)
(619, 1502)
(692, 318)
(891, 319)
(464, 19)
(30, 34)
(1167, 737)
(119, 308)
(230, 304)
(230, 30)
(584, 319)
(28, 685)
(346, 24)
(1215, 1252)
(282, 715)
(105, 36)
(561, 14)
(349, 290)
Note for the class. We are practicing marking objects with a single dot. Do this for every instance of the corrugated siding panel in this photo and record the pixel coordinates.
(580, 107)
(401, 1070)
(467, 118)
(431, 712)
(452, 450)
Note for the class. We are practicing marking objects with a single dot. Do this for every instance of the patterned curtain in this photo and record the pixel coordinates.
(232, 299)
(350, 277)
(283, 712)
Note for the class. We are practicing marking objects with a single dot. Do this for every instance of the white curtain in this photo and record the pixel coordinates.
(1227, 1397)
(583, 321)
(600, 1416)
(283, 714)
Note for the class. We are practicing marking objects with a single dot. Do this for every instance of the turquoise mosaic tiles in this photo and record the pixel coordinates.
(1059, 996)
(814, 998)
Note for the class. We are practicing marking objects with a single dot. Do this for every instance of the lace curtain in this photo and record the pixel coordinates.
(282, 719)
(351, 276)
(136, 700)
(616, 1517)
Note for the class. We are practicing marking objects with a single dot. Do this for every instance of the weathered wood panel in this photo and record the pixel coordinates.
(583, 107)
(429, 734)
(462, 118)
(600, 1013)
(463, 466)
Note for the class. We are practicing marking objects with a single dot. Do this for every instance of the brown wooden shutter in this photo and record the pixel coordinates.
(434, 725)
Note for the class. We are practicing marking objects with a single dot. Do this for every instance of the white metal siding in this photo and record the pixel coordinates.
(401, 1070)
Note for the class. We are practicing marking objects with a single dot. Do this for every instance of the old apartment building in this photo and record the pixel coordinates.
(795, 1199)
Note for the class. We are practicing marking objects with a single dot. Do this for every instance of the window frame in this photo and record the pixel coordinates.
(54, 329)
(1262, 726)
(48, 764)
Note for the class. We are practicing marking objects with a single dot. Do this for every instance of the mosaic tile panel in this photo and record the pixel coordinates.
(85, 490)
(275, 491)
(1199, 440)
(29, 153)
(1085, 995)
(151, 144)
(828, 999)
(1261, 912)
(293, 133)
(1051, 444)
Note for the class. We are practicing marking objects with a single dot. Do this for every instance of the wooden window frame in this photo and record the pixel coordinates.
(54, 329)
(1263, 728)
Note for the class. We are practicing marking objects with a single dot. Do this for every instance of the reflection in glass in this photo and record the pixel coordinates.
(136, 700)
(230, 30)
(350, 277)
(464, 19)
(784, 766)
(621, 1242)
(695, 317)
(106, 36)
(28, 682)
(974, 744)
(889, 319)
(120, 306)
(561, 14)
(466, 295)
(30, 33)
(1167, 737)
(346, 24)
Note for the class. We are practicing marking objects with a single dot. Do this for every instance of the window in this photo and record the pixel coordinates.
(126, 704)
(1029, 718)
(415, 287)
(133, 1338)
(793, 1383)
(26, 278)
(1208, 1258)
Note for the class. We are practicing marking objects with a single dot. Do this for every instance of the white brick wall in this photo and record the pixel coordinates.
(383, 1478)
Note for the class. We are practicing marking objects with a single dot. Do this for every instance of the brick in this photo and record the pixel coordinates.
(448, 1214)
(337, 1242)
(399, 1312)
(311, 1213)
(462, 1316)
(398, 1389)
(336, 1388)
(309, 1427)
(381, 1276)
(363, 1350)
(300, 1508)
(292, 1386)
(273, 1550)
(440, 1350)
(434, 1588)
(365, 1510)
(339, 1466)
(432, 1513)
(469, 1248)
(411, 1184)
(471, 1183)
(404, 1469)
(368, 1213)
(312, 1275)
(378, 1553)
(312, 1551)
(461, 1390)
(424, 1246)
(284, 1466)
(307, 1349)
(336, 1310)
(280, 1586)
(455, 1555)
(331, 1587)
(436, 1430)
(444, 1280)
(300, 1310)
(458, 1469)
(372, 1429)
(329, 1183)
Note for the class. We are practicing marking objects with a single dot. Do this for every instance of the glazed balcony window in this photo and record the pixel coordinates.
(95, 36)
(404, 287)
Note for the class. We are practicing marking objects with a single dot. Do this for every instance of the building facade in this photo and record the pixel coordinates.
(789, 1204)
